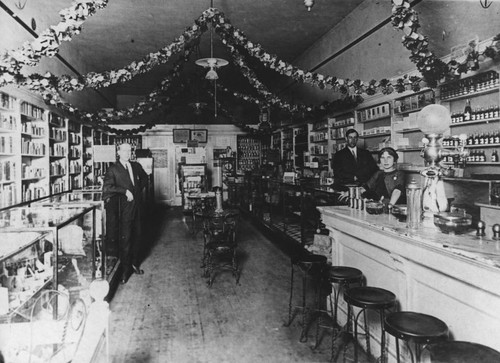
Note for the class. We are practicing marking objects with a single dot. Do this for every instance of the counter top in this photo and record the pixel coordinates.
(483, 251)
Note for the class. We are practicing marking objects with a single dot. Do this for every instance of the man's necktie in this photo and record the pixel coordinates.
(354, 154)
(130, 173)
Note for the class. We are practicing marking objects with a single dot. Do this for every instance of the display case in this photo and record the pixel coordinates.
(45, 248)
(284, 208)
(106, 266)
(193, 180)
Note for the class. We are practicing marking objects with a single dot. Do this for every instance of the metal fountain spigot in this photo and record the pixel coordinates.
(434, 198)
(434, 152)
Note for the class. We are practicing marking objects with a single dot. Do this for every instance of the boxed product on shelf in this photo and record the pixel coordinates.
(401, 142)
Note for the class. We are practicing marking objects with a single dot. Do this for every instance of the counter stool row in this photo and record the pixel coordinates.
(420, 330)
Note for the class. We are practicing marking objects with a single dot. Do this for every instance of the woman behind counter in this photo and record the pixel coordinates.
(388, 183)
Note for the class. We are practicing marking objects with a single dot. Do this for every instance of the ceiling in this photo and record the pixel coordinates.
(128, 30)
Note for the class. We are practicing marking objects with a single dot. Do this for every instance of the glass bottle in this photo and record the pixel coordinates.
(494, 156)
(467, 111)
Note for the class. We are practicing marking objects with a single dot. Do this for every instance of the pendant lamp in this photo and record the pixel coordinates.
(212, 63)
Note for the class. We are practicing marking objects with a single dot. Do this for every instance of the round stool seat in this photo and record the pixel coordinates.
(308, 260)
(370, 297)
(344, 274)
(462, 352)
(416, 327)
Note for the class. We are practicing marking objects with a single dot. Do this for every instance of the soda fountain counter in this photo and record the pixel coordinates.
(452, 277)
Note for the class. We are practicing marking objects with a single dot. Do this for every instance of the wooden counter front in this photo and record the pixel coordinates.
(455, 278)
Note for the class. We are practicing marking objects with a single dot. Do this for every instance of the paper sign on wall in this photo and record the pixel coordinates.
(104, 153)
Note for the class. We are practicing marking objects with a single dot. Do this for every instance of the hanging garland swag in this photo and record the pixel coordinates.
(432, 69)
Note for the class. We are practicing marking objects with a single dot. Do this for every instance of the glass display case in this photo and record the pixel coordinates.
(89, 197)
(45, 248)
(289, 209)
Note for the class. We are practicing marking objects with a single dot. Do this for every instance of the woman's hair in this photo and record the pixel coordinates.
(390, 151)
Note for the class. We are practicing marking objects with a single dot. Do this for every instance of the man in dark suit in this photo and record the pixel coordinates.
(124, 182)
(352, 165)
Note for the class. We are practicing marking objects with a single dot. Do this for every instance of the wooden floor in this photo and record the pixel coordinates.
(169, 314)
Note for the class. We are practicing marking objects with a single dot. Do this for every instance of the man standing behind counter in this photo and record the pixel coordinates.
(352, 165)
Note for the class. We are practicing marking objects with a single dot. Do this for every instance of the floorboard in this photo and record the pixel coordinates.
(169, 314)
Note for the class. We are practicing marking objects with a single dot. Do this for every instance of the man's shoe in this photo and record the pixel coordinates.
(123, 281)
(137, 270)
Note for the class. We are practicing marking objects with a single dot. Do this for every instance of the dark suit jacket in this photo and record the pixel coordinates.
(345, 166)
(117, 181)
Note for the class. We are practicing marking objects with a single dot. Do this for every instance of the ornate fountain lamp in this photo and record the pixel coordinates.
(434, 120)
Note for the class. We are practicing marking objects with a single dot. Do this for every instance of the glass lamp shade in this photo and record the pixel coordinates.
(211, 62)
(434, 119)
(212, 75)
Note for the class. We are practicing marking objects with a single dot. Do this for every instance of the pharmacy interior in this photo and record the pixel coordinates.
(406, 75)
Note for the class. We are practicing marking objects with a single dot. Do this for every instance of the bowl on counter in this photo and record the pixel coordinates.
(453, 222)
(374, 207)
(400, 211)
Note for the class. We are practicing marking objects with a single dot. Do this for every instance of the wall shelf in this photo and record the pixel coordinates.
(484, 121)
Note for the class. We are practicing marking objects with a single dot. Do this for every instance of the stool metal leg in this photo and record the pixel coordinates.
(303, 333)
(382, 340)
(290, 318)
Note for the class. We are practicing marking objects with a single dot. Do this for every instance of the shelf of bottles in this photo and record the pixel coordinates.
(472, 86)
(478, 145)
(75, 155)
(475, 116)
(34, 170)
(8, 141)
(249, 153)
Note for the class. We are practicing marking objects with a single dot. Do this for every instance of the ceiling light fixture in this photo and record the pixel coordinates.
(310, 3)
(198, 107)
(484, 3)
(20, 4)
(212, 63)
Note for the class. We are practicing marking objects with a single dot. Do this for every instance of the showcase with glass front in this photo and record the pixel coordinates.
(45, 248)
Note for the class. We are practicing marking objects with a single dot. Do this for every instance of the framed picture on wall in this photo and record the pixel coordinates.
(199, 135)
(181, 135)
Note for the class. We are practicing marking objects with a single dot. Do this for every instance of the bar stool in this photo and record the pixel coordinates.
(308, 263)
(462, 352)
(416, 328)
(343, 277)
(368, 298)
